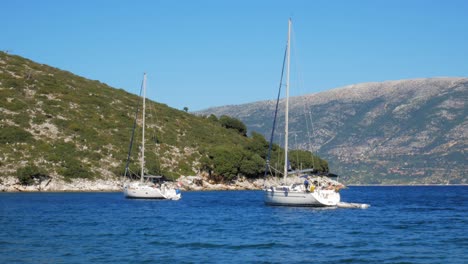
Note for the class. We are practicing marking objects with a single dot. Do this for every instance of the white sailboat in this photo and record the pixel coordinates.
(148, 186)
(320, 191)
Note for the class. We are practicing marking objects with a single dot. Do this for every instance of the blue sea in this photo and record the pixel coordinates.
(424, 224)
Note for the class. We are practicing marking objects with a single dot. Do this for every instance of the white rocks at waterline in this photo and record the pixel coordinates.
(11, 184)
(186, 183)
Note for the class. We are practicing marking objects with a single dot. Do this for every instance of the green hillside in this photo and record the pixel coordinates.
(56, 124)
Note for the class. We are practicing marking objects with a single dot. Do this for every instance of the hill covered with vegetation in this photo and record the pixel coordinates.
(54, 124)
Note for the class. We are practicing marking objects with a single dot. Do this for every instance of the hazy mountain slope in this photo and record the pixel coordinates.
(409, 131)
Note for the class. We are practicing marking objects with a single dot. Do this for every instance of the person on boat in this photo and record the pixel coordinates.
(306, 184)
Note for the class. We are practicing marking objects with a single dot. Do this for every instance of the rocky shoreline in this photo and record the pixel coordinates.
(188, 183)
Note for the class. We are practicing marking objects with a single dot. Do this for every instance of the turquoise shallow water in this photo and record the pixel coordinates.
(403, 225)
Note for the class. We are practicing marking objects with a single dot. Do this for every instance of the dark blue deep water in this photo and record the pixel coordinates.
(404, 225)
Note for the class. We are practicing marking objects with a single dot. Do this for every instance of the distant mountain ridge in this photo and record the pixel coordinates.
(394, 132)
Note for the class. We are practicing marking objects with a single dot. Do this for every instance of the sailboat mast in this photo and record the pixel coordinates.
(143, 129)
(286, 126)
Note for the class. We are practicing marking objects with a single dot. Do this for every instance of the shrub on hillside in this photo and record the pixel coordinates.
(13, 134)
(233, 123)
(258, 145)
(75, 169)
(232, 161)
(212, 118)
(31, 174)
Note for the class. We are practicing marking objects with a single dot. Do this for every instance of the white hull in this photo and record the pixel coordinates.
(145, 191)
(286, 197)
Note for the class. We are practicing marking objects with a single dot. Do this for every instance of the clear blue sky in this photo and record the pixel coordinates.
(204, 53)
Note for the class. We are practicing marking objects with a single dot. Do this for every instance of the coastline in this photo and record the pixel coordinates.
(188, 183)
(404, 185)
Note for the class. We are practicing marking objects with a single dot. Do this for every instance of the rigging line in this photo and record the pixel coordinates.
(133, 133)
(280, 156)
(306, 105)
(276, 113)
(154, 135)
(297, 152)
(312, 129)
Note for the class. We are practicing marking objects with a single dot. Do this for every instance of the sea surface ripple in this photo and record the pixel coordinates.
(405, 224)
